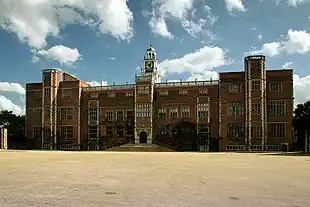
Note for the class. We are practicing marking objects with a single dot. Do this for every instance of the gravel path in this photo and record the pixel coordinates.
(34, 178)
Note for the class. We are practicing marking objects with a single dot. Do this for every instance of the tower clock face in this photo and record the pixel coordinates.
(149, 64)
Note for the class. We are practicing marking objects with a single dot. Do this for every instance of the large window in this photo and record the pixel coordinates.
(37, 132)
(93, 114)
(66, 93)
(120, 115)
(162, 113)
(109, 131)
(256, 85)
(235, 130)
(203, 110)
(93, 132)
(276, 108)
(173, 113)
(275, 87)
(256, 108)
(47, 92)
(129, 94)
(47, 79)
(37, 115)
(143, 89)
(234, 88)
(185, 112)
(112, 95)
(143, 110)
(163, 92)
(66, 133)
(235, 109)
(110, 116)
(120, 131)
(66, 113)
(256, 131)
(276, 130)
(183, 92)
(94, 95)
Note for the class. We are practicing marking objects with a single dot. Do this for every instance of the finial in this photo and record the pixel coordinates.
(150, 44)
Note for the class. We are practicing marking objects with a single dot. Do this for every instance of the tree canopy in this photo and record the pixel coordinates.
(15, 125)
(301, 122)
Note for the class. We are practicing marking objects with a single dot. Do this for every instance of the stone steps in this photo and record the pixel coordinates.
(140, 148)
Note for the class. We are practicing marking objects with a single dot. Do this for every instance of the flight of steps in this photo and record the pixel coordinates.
(140, 148)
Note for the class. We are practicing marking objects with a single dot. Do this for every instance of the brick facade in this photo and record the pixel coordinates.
(249, 110)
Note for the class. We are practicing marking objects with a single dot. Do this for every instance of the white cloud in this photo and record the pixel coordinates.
(287, 64)
(7, 104)
(301, 89)
(295, 42)
(159, 27)
(62, 54)
(199, 62)
(34, 20)
(260, 36)
(206, 75)
(181, 11)
(295, 3)
(96, 83)
(112, 58)
(235, 5)
(12, 87)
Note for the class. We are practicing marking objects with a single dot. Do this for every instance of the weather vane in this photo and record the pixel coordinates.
(150, 43)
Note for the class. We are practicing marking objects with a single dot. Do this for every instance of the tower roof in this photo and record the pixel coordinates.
(150, 48)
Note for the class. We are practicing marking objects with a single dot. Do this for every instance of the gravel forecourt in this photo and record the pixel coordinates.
(146, 179)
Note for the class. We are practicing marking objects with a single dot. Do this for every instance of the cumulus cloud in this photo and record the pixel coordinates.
(60, 53)
(296, 41)
(7, 104)
(34, 20)
(199, 64)
(235, 5)
(301, 89)
(96, 83)
(293, 3)
(260, 36)
(206, 75)
(183, 12)
(287, 64)
(12, 87)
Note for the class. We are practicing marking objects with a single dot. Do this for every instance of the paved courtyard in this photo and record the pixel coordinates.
(34, 178)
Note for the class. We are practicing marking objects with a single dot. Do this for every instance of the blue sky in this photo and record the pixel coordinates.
(105, 40)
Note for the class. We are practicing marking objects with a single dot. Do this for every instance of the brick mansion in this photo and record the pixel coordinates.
(250, 110)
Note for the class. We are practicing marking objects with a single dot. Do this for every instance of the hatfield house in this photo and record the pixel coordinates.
(249, 110)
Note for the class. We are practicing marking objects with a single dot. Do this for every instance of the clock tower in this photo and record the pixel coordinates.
(150, 59)
(144, 95)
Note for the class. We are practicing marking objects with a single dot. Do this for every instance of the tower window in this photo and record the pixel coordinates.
(234, 88)
(256, 85)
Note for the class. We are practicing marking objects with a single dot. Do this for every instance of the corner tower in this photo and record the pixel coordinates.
(255, 103)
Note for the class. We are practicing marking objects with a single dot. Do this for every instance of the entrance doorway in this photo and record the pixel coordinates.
(143, 137)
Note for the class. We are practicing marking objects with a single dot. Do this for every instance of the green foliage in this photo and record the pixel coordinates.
(15, 125)
(301, 122)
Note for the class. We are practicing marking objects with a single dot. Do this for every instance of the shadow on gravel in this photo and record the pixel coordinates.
(290, 154)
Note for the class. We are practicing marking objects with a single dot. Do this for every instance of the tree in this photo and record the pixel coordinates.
(16, 127)
(301, 123)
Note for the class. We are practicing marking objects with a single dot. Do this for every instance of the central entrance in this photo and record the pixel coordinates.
(143, 137)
